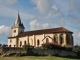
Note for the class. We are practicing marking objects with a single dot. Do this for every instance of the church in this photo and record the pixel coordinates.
(59, 36)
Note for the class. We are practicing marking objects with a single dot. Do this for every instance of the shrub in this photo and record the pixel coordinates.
(50, 45)
(55, 46)
(26, 47)
(77, 47)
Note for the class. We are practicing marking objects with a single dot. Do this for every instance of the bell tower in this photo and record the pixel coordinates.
(17, 27)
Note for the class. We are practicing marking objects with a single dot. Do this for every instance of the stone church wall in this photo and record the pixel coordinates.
(12, 42)
(31, 40)
(22, 39)
(40, 38)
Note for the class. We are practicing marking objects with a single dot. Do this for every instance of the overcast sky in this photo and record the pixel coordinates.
(40, 14)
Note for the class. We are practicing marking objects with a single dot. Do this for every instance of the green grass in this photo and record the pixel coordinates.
(36, 58)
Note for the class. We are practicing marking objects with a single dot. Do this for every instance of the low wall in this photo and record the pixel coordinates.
(38, 52)
(52, 52)
(9, 49)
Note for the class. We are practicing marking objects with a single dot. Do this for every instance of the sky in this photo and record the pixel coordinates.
(40, 14)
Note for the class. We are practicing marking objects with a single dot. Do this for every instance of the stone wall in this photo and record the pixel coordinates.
(51, 52)
(11, 51)
(8, 51)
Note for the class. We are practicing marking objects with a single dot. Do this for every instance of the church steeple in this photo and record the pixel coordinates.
(17, 27)
(18, 22)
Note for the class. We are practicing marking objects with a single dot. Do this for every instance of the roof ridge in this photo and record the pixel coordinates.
(49, 29)
(45, 31)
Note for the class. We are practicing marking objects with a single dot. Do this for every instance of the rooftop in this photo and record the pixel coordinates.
(44, 31)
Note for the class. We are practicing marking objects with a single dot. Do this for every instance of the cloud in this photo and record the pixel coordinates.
(35, 24)
(51, 12)
(61, 22)
(47, 8)
(77, 35)
(43, 6)
(5, 30)
(75, 11)
(8, 1)
(76, 21)
(75, 5)
(54, 12)
(9, 12)
(75, 18)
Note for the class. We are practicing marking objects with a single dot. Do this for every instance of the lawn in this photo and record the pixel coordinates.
(36, 58)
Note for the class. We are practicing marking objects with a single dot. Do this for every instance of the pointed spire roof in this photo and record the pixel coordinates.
(18, 22)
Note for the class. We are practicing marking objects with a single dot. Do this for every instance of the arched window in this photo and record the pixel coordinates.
(38, 42)
(56, 39)
(20, 43)
(67, 38)
(71, 39)
(47, 40)
(61, 38)
(24, 42)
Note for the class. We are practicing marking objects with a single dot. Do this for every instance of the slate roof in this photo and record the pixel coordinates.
(44, 31)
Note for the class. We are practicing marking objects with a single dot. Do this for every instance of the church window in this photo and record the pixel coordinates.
(10, 41)
(20, 43)
(61, 38)
(24, 42)
(14, 31)
(47, 40)
(55, 39)
(68, 39)
(71, 39)
(38, 42)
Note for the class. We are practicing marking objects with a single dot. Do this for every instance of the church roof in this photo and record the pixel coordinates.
(44, 31)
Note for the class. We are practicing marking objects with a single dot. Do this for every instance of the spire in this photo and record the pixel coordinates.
(18, 22)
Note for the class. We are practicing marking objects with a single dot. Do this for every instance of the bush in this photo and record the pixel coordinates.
(26, 47)
(55, 46)
(50, 45)
(77, 47)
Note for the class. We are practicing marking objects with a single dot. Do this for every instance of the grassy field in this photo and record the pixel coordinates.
(36, 58)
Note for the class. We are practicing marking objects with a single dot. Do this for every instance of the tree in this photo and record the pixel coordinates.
(77, 48)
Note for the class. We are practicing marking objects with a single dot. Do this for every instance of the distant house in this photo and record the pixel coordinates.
(36, 38)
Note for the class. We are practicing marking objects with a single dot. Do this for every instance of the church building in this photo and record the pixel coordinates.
(59, 36)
